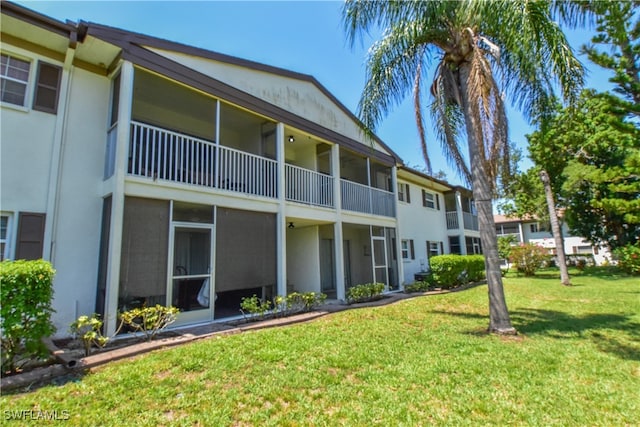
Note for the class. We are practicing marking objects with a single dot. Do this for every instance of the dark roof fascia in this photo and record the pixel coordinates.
(425, 176)
(37, 19)
(117, 36)
(462, 189)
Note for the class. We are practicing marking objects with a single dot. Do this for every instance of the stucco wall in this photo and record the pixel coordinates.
(76, 237)
(26, 149)
(421, 224)
(303, 259)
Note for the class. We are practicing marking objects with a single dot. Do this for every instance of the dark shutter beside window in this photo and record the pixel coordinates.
(441, 248)
(424, 198)
(30, 235)
(413, 254)
(438, 201)
(47, 88)
(408, 193)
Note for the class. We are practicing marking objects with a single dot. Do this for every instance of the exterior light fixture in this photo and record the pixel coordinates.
(291, 225)
(291, 138)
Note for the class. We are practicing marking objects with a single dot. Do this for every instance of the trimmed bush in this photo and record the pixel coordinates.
(149, 320)
(365, 292)
(419, 286)
(26, 291)
(449, 271)
(89, 330)
(629, 258)
(528, 257)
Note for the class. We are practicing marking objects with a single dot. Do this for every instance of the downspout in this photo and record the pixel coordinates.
(57, 158)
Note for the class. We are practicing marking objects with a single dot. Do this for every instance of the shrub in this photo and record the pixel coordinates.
(149, 320)
(88, 329)
(528, 257)
(254, 305)
(26, 291)
(629, 258)
(419, 286)
(296, 302)
(475, 267)
(365, 292)
(449, 271)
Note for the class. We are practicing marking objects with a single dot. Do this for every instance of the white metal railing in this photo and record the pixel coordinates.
(470, 221)
(362, 198)
(452, 220)
(309, 187)
(166, 155)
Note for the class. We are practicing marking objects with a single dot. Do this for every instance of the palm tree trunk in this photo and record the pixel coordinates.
(499, 320)
(555, 228)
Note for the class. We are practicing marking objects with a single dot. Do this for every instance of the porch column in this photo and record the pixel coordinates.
(338, 239)
(117, 199)
(520, 233)
(463, 239)
(281, 219)
(398, 248)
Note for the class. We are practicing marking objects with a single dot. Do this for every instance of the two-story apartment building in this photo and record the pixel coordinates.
(531, 230)
(148, 171)
(421, 220)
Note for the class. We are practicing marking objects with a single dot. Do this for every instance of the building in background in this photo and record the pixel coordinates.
(531, 230)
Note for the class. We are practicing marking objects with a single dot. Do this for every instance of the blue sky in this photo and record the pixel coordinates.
(302, 36)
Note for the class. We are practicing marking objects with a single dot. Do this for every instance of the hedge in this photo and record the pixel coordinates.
(448, 271)
(26, 291)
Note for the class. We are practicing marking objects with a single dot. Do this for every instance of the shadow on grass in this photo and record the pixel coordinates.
(611, 333)
(553, 273)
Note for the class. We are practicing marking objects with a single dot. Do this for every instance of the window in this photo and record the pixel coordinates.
(434, 248)
(407, 249)
(538, 227)
(582, 249)
(454, 244)
(47, 88)
(5, 237)
(404, 194)
(430, 200)
(15, 79)
(474, 246)
(15, 84)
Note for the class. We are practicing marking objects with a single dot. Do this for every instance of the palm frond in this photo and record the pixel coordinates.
(449, 122)
(417, 107)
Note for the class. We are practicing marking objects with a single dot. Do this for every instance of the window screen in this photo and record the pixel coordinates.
(14, 79)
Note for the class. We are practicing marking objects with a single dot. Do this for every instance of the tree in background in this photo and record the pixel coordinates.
(469, 43)
(590, 150)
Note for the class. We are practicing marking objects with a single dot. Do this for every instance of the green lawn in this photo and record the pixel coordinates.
(422, 361)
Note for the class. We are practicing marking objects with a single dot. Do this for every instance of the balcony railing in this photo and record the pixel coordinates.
(452, 220)
(361, 198)
(309, 187)
(470, 221)
(165, 155)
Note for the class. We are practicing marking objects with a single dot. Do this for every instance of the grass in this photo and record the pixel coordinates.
(421, 361)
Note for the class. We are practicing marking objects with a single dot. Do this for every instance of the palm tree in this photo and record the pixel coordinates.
(469, 43)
